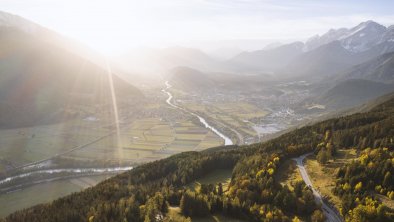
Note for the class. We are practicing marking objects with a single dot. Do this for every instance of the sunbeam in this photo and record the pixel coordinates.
(115, 110)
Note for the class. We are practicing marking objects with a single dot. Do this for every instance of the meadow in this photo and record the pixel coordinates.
(323, 176)
(217, 176)
(27, 197)
(141, 140)
(238, 116)
(149, 139)
(30, 144)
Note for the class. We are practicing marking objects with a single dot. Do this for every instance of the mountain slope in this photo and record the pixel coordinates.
(157, 61)
(360, 38)
(380, 69)
(320, 56)
(40, 82)
(353, 92)
(322, 61)
(331, 59)
(8, 20)
(189, 79)
(267, 59)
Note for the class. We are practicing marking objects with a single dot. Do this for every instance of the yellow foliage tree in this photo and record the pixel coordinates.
(346, 187)
(258, 174)
(269, 215)
(296, 219)
(358, 186)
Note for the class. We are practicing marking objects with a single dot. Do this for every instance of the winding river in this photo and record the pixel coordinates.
(227, 141)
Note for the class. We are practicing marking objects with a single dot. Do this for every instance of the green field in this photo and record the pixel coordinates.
(174, 214)
(235, 115)
(149, 139)
(43, 193)
(25, 145)
(140, 141)
(218, 176)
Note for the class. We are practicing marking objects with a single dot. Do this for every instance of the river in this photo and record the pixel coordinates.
(227, 141)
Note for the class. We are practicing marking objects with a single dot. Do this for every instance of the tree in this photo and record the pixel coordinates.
(194, 204)
(323, 156)
(155, 208)
(387, 179)
(220, 189)
(358, 186)
(318, 216)
(296, 219)
(299, 185)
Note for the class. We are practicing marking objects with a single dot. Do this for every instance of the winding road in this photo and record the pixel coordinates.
(331, 214)
(227, 141)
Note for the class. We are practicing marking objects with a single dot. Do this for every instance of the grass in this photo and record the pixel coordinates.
(236, 115)
(149, 139)
(324, 176)
(25, 145)
(217, 176)
(140, 141)
(216, 218)
(288, 173)
(47, 192)
(175, 215)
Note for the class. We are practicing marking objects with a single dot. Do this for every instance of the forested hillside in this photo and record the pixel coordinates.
(146, 192)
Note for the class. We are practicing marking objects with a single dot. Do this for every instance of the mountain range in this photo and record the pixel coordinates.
(332, 52)
(318, 57)
(346, 67)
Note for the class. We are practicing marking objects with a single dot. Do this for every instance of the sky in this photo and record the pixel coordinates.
(115, 26)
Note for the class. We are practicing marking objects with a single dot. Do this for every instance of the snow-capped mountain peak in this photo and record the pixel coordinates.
(363, 37)
(357, 39)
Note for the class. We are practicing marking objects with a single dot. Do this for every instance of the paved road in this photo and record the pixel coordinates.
(331, 215)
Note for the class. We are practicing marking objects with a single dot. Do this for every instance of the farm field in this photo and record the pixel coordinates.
(140, 141)
(149, 139)
(25, 145)
(235, 115)
(47, 192)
